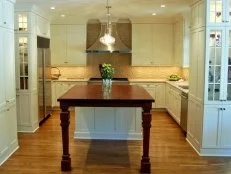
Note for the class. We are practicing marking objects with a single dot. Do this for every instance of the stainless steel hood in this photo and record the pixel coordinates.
(117, 47)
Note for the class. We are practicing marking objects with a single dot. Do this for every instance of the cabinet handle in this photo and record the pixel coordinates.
(7, 109)
(65, 62)
(220, 109)
(223, 109)
(7, 101)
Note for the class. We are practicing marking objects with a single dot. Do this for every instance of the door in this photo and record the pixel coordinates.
(225, 137)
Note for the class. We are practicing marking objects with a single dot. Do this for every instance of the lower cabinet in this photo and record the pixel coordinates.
(216, 130)
(156, 90)
(60, 87)
(173, 102)
(8, 131)
(27, 111)
(108, 123)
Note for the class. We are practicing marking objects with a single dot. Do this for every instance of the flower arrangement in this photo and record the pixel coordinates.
(106, 71)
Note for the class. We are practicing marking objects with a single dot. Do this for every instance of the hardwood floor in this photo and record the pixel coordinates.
(40, 153)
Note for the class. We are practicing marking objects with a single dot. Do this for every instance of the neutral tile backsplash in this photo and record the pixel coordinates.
(123, 68)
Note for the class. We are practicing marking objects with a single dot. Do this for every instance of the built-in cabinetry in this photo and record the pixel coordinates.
(8, 119)
(121, 123)
(156, 90)
(68, 45)
(148, 43)
(28, 25)
(210, 85)
(60, 87)
(173, 101)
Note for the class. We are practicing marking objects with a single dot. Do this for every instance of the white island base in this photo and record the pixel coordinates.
(108, 123)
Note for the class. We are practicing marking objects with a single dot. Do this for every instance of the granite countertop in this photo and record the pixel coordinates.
(177, 85)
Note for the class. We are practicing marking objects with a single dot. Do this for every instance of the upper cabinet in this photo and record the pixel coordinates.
(219, 64)
(219, 12)
(7, 14)
(43, 26)
(198, 15)
(68, 44)
(152, 44)
(25, 22)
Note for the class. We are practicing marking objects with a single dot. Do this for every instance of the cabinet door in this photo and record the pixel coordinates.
(1, 12)
(2, 71)
(160, 95)
(211, 127)
(142, 45)
(216, 12)
(215, 54)
(58, 44)
(104, 120)
(162, 46)
(225, 137)
(227, 66)
(10, 90)
(8, 14)
(76, 44)
(4, 136)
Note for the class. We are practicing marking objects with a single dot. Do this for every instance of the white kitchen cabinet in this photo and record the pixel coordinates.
(218, 13)
(162, 46)
(8, 120)
(173, 102)
(156, 90)
(198, 15)
(43, 26)
(25, 22)
(60, 87)
(27, 111)
(142, 43)
(216, 131)
(152, 44)
(7, 17)
(108, 123)
(218, 61)
(68, 45)
(160, 95)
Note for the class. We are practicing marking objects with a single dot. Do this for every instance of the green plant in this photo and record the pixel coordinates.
(107, 71)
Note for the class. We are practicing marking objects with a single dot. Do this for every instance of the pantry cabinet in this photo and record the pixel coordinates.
(43, 26)
(148, 43)
(68, 45)
(8, 118)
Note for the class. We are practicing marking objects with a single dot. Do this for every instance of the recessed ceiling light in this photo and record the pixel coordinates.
(62, 15)
(154, 14)
(162, 5)
(52, 8)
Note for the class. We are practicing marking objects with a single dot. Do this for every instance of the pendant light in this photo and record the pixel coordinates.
(107, 39)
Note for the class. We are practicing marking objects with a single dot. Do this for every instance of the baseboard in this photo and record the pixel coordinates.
(10, 150)
(108, 136)
(28, 129)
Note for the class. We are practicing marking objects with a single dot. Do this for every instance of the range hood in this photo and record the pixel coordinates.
(117, 47)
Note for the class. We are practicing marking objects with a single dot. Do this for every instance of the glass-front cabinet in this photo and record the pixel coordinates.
(219, 12)
(219, 65)
(25, 22)
(22, 62)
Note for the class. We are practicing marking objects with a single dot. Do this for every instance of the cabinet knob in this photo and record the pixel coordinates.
(7, 101)
(224, 109)
(65, 62)
(4, 22)
(7, 109)
(220, 109)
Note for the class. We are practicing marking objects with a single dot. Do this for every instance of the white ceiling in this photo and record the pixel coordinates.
(89, 9)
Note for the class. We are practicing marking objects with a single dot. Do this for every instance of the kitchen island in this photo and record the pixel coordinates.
(93, 96)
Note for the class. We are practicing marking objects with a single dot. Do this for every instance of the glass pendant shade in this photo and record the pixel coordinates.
(107, 39)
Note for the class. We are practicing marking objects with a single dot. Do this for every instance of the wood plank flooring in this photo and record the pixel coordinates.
(40, 153)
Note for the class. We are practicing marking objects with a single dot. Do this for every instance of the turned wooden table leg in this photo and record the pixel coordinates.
(65, 121)
(146, 123)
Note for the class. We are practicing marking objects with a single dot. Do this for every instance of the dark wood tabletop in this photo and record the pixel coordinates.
(117, 96)
(117, 92)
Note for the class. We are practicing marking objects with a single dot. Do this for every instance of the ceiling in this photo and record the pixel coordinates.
(88, 9)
